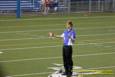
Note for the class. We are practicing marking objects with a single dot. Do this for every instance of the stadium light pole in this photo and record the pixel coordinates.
(113, 5)
(18, 14)
(69, 6)
(90, 4)
(99, 2)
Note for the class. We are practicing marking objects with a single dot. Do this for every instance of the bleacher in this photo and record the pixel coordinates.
(26, 5)
(9, 6)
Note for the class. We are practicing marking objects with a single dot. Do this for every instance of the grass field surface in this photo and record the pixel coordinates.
(26, 50)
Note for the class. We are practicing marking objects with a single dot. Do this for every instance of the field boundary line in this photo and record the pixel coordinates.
(40, 37)
(32, 19)
(102, 67)
(44, 37)
(23, 31)
(30, 25)
(83, 55)
(85, 41)
(43, 73)
(52, 46)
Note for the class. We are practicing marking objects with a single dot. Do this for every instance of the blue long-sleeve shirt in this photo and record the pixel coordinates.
(69, 36)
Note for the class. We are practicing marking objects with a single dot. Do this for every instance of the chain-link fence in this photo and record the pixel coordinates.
(93, 6)
(61, 6)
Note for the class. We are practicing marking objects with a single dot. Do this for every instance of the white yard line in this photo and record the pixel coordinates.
(1, 52)
(98, 34)
(31, 31)
(43, 73)
(52, 46)
(44, 37)
(38, 30)
(31, 74)
(40, 37)
(32, 19)
(95, 54)
(85, 41)
(31, 59)
(102, 67)
(16, 26)
(48, 58)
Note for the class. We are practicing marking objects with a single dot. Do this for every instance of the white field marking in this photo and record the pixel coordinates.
(110, 26)
(31, 59)
(58, 57)
(32, 19)
(94, 54)
(25, 44)
(31, 74)
(43, 73)
(1, 52)
(98, 34)
(102, 67)
(93, 27)
(11, 26)
(56, 29)
(31, 31)
(107, 46)
(8, 76)
(44, 37)
(85, 41)
(52, 46)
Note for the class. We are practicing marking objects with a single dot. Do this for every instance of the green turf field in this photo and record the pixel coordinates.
(26, 51)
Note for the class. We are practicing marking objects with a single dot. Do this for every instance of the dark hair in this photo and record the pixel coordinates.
(70, 23)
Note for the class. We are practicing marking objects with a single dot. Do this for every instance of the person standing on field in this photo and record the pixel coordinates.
(69, 36)
(46, 6)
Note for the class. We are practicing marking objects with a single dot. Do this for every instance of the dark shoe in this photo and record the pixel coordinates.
(69, 74)
(64, 73)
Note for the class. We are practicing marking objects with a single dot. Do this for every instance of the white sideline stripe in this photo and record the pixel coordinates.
(83, 55)
(55, 18)
(103, 67)
(1, 52)
(55, 42)
(43, 73)
(44, 37)
(53, 46)
(31, 31)
(98, 34)
(30, 47)
(11, 26)
(55, 24)
(54, 29)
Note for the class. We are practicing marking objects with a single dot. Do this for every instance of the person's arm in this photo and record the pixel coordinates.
(59, 36)
(52, 35)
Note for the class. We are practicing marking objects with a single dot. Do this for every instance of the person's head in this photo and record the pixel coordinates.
(69, 24)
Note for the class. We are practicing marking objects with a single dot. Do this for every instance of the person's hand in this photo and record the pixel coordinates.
(51, 34)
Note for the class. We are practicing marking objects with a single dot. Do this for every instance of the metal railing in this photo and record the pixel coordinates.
(93, 6)
(68, 6)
